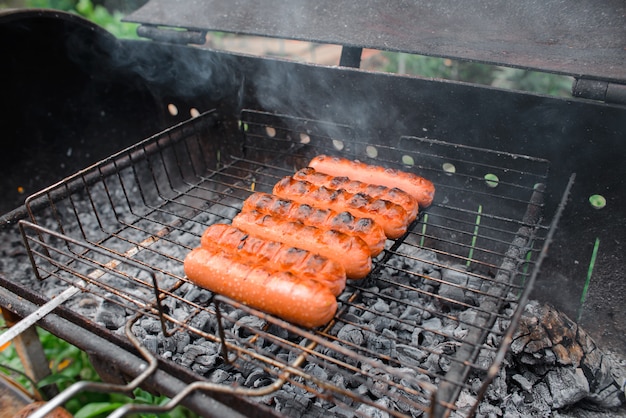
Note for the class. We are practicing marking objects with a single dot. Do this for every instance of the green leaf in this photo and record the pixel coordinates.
(96, 409)
(55, 379)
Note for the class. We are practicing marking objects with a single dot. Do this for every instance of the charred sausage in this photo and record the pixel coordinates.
(394, 195)
(296, 299)
(350, 251)
(277, 255)
(393, 218)
(421, 189)
(323, 218)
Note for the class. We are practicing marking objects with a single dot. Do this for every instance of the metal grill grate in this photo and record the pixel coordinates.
(423, 326)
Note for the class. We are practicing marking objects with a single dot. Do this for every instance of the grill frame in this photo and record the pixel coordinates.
(588, 127)
(166, 172)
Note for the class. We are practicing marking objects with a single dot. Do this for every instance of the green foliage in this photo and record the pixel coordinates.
(69, 365)
(502, 77)
(109, 20)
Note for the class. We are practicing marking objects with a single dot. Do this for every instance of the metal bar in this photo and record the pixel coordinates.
(508, 337)
(447, 394)
(42, 311)
(350, 57)
(159, 381)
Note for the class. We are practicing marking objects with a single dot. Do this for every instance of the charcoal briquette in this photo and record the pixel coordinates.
(351, 334)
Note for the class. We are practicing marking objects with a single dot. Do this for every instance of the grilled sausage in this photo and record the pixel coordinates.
(350, 251)
(394, 195)
(421, 189)
(299, 300)
(364, 228)
(277, 255)
(393, 218)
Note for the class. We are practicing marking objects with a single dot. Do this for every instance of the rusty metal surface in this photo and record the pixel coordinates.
(582, 37)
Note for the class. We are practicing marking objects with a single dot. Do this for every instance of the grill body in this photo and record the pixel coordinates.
(122, 225)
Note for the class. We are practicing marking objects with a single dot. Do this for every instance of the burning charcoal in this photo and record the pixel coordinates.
(444, 363)
(151, 325)
(338, 411)
(416, 337)
(200, 369)
(151, 342)
(139, 331)
(180, 314)
(169, 344)
(246, 326)
(485, 409)
(291, 405)
(207, 359)
(191, 292)
(524, 383)
(485, 358)
(367, 316)
(382, 344)
(393, 292)
(430, 339)
(574, 368)
(410, 356)
(219, 376)
(193, 351)
(381, 323)
(452, 290)
(182, 340)
(498, 388)
(567, 386)
(351, 334)
(412, 313)
(373, 412)
(428, 259)
(201, 320)
(111, 315)
(316, 371)
(465, 401)
(460, 332)
(258, 378)
(381, 306)
(432, 363)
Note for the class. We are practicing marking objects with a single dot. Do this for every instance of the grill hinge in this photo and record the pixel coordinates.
(604, 91)
(172, 35)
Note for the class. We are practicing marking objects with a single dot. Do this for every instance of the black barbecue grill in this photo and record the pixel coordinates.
(433, 321)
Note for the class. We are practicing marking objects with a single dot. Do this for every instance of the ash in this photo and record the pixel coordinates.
(553, 369)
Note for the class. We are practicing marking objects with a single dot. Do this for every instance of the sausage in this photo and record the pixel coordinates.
(394, 195)
(277, 255)
(296, 299)
(350, 251)
(421, 189)
(323, 218)
(393, 218)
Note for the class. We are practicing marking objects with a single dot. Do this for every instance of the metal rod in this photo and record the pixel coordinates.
(508, 337)
(42, 311)
(447, 393)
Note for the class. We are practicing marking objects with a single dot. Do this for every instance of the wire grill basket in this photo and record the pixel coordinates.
(426, 324)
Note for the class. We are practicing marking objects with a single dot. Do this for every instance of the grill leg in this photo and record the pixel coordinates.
(30, 351)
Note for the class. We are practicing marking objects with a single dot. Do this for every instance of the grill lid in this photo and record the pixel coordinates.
(578, 38)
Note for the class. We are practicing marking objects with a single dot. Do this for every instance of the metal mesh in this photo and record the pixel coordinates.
(406, 340)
